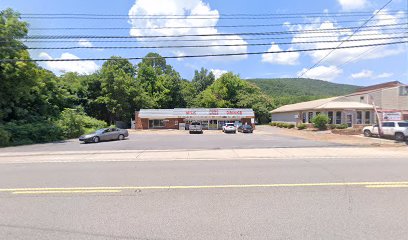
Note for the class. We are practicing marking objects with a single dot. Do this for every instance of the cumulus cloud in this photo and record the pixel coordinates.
(322, 72)
(363, 74)
(218, 72)
(185, 19)
(341, 55)
(369, 74)
(81, 67)
(289, 58)
(84, 43)
(385, 75)
(348, 5)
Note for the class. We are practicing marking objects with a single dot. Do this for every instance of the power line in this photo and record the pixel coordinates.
(204, 55)
(207, 39)
(193, 17)
(341, 43)
(197, 46)
(220, 14)
(214, 34)
(196, 27)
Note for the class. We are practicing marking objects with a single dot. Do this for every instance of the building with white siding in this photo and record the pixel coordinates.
(389, 100)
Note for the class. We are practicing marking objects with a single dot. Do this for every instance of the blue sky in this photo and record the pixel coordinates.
(365, 65)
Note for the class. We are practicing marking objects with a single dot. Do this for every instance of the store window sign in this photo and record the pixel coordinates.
(392, 116)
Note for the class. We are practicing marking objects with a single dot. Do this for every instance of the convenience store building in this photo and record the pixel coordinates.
(180, 118)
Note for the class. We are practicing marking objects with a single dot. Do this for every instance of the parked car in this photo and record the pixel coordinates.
(245, 129)
(229, 128)
(195, 127)
(105, 134)
(397, 129)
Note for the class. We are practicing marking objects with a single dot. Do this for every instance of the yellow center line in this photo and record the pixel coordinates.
(68, 191)
(388, 186)
(119, 188)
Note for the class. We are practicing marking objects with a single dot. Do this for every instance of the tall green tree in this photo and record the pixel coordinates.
(202, 79)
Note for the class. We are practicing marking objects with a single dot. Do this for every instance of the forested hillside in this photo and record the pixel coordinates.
(293, 90)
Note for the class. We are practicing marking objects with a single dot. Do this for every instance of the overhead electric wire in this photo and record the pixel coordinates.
(197, 46)
(203, 55)
(196, 17)
(341, 43)
(203, 40)
(198, 27)
(220, 14)
(212, 34)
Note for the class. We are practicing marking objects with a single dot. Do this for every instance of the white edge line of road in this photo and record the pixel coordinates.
(196, 159)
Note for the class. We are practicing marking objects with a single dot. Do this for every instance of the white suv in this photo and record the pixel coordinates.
(399, 130)
(229, 127)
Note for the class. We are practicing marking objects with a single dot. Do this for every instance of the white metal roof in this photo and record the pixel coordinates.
(322, 104)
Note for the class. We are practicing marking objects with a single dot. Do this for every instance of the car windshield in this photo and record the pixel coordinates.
(195, 123)
(99, 131)
(229, 124)
(247, 126)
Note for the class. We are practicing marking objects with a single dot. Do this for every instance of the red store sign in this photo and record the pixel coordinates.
(230, 112)
(191, 113)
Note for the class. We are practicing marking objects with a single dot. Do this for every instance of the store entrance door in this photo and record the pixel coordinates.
(213, 125)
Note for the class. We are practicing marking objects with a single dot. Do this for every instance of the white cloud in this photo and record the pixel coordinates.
(363, 74)
(385, 75)
(289, 58)
(348, 5)
(84, 43)
(342, 55)
(369, 74)
(322, 72)
(82, 67)
(218, 72)
(187, 10)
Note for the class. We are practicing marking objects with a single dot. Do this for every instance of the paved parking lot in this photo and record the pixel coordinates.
(263, 137)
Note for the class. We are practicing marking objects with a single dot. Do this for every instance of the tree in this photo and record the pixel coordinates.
(202, 79)
(16, 78)
(160, 81)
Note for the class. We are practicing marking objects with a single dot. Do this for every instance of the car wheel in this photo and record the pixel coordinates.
(399, 137)
(96, 139)
(121, 137)
(190, 132)
(367, 133)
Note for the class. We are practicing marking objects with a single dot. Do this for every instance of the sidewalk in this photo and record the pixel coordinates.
(228, 154)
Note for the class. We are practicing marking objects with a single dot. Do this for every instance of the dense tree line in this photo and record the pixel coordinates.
(38, 106)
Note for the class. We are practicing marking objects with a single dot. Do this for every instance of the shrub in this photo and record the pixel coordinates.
(320, 121)
(302, 126)
(74, 123)
(291, 125)
(342, 126)
(20, 132)
(331, 126)
(4, 137)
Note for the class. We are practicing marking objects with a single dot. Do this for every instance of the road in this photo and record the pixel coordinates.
(303, 198)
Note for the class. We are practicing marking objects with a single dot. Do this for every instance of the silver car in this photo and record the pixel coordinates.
(105, 134)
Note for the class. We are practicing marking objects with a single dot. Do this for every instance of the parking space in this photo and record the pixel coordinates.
(175, 139)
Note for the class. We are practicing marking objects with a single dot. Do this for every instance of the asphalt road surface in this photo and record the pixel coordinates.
(246, 199)
(163, 141)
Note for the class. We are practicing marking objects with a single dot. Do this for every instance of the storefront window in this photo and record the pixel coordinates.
(156, 123)
(359, 117)
(304, 117)
(338, 117)
(367, 117)
(330, 115)
(310, 116)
